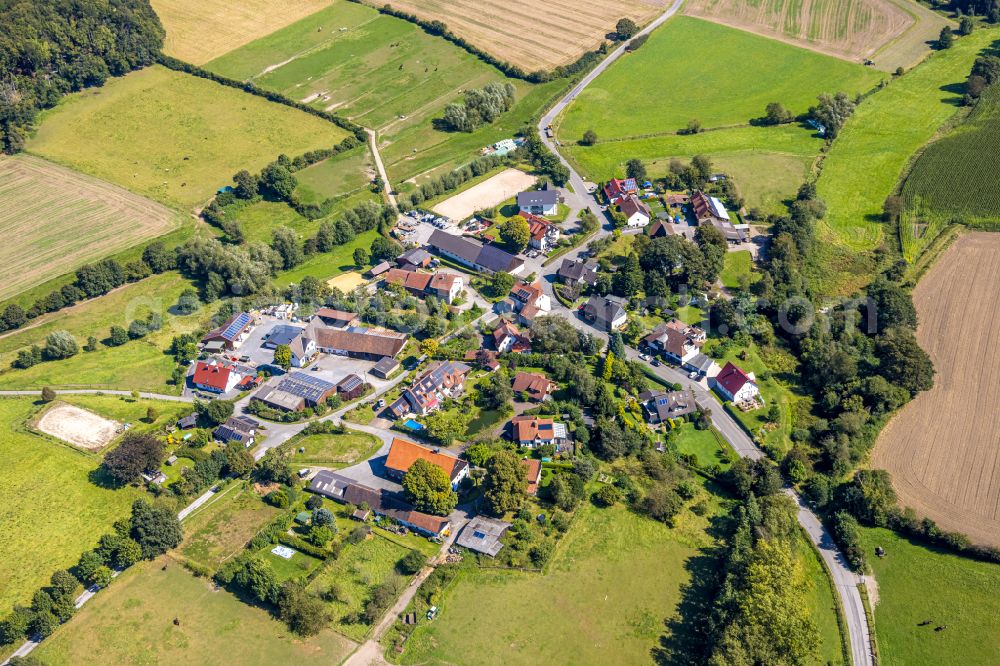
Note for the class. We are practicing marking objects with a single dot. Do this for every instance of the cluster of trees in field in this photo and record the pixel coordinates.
(481, 107)
(48, 49)
(150, 531)
(61, 344)
(985, 72)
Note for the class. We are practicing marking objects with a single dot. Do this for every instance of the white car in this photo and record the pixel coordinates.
(693, 375)
(644, 357)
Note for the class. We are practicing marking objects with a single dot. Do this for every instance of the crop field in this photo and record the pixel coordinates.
(659, 88)
(139, 364)
(63, 219)
(199, 30)
(959, 174)
(517, 32)
(47, 498)
(891, 32)
(173, 137)
(885, 131)
(767, 163)
(917, 583)
(943, 448)
(133, 622)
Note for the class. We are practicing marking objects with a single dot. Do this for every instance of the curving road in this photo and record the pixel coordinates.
(844, 579)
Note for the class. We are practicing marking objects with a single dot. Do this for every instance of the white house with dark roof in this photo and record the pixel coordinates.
(539, 202)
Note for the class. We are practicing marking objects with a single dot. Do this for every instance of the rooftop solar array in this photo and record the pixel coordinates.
(236, 327)
(305, 386)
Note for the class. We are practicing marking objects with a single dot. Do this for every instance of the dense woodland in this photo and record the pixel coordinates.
(54, 47)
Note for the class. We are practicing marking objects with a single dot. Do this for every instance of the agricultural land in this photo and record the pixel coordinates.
(892, 33)
(513, 31)
(173, 137)
(885, 131)
(656, 90)
(943, 449)
(916, 584)
(48, 496)
(199, 31)
(384, 73)
(134, 622)
(63, 219)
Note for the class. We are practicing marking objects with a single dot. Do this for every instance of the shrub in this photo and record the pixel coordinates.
(607, 495)
(411, 563)
(277, 498)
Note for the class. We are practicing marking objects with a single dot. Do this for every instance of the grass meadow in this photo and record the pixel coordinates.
(707, 445)
(328, 265)
(220, 530)
(133, 622)
(173, 137)
(660, 87)
(340, 175)
(47, 495)
(260, 218)
(334, 450)
(738, 266)
(917, 583)
(767, 163)
(866, 160)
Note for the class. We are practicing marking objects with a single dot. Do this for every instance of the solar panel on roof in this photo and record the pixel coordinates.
(236, 326)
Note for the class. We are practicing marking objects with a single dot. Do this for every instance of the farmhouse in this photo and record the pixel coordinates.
(475, 255)
(543, 235)
(242, 429)
(444, 286)
(482, 535)
(402, 454)
(604, 313)
(215, 376)
(350, 387)
(295, 392)
(232, 333)
(709, 210)
(534, 431)
(356, 341)
(302, 348)
(441, 380)
(615, 190)
(659, 406)
(413, 259)
(539, 202)
(508, 338)
(677, 341)
(378, 269)
(735, 385)
(336, 318)
(533, 473)
(573, 272)
(636, 212)
(535, 386)
(382, 502)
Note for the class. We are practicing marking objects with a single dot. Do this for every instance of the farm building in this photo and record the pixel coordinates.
(539, 202)
(336, 318)
(385, 367)
(709, 210)
(475, 255)
(482, 535)
(281, 334)
(233, 332)
(215, 376)
(356, 341)
(402, 454)
(295, 392)
(350, 387)
(413, 259)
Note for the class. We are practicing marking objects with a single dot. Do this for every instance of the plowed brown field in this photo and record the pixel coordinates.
(943, 448)
(528, 33)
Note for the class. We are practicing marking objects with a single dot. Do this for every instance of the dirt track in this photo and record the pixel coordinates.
(79, 427)
(943, 449)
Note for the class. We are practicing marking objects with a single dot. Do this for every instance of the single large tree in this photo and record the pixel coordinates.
(515, 233)
(60, 344)
(136, 454)
(155, 528)
(505, 483)
(428, 488)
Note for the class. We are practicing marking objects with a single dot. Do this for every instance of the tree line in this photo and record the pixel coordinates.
(49, 49)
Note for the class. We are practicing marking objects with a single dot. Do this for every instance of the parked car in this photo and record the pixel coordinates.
(693, 375)
(655, 363)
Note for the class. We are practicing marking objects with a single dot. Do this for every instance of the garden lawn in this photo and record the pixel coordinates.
(917, 583)
(133, 622)
(359, 568)
(136, 365)
(767, 163)
(614, 579)
(174, 137)
(737, 265)
(297, 567)
(216, 532)
(707, 445)
(666, 83)
(52, 512)
(334, 450)
(325, 265)
(867, 158)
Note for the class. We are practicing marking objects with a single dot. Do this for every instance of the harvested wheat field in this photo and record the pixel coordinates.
(81, 428)
(62, 219)
(531, 35)
(489, 193)
(892, 33)
(200, 30)
(943, 448)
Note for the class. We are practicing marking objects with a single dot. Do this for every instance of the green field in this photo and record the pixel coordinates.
(52, 512)
(384, 73)
(707, 445)
(820, 596)
(172, 137)
(958, 174)
(663, 85)
(738, 265)
(139, 364)
(767, 163)
(221, 529)
(260, 218)
(133, 622)
(917, 583)
(335, 450)
(327, 265)
(866, 160)
(342, 174)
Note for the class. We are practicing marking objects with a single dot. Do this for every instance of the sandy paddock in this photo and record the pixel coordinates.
(79, 427)
(346, 282)
(489, 193)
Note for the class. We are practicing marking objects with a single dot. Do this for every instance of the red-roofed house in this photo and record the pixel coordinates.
(533, 471)
(402, 454)
(444, 286)
(534, 431)
(616, 190)
(537, 387)
(215, 377)
(508, 338)
(637, 213)
(544, 234)
(735, 385)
